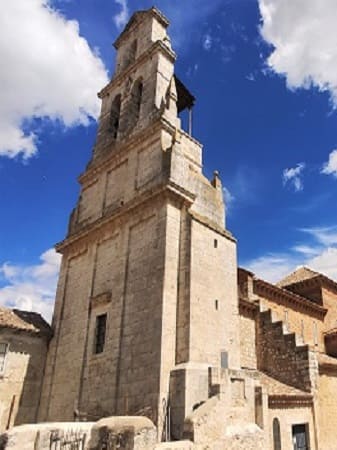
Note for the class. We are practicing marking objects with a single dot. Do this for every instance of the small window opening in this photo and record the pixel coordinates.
(258, 406)
(133, 52)
(215, 243)
(138, 99)
(115, 115)
(315, 334)
(217, 304)
(276, 434)
(3, 355)
(100, 331)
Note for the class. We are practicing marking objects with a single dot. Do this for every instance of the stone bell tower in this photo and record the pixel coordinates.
(147, 295)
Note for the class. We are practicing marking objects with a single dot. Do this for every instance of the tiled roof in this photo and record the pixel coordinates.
(301, 274)
(23, 320)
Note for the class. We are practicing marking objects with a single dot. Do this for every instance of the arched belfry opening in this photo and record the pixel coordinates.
(115, 116)
(185, 102)
(135, 103)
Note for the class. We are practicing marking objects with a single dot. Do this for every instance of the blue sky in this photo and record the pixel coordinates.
(265, 76)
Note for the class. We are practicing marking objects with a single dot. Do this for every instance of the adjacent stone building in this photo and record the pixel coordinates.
(24, 340)
(152, 315)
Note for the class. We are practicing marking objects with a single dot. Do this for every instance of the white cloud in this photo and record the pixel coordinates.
(31, 288)
(303, 35)
(320, 255)
(326, 263)
(306, 250)
(229, 197)
(330, 168)
(207, 42)
(121, 18)
(271, 267)
(47, 71)
(324, 235)
(293, 176)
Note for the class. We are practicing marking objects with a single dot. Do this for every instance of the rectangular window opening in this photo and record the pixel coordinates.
(215, 243)
(301, 437)
(217, 304)
(315, 333)
(100, 332)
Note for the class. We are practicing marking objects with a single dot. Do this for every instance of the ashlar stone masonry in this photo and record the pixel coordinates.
(153, 317)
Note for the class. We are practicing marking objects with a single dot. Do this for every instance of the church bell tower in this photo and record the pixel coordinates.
(147, 295)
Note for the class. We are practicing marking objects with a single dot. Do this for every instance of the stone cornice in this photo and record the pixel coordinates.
(287, 297)
(319, 280)
(332, 332)
(128, 28)
(116, 80)
(168, 189)
(246, 305)
(328, 368)
(285, 401)
(46, 334)
(212, 226)
(96, 167)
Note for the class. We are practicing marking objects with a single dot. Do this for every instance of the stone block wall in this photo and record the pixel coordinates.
(327, 409)
(279, 356)
(124, 433)
(289, 416)
(248, 335)
(20, 384)
(307, 324)
(213, 295)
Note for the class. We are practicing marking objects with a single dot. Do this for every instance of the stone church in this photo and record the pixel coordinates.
(153, 317)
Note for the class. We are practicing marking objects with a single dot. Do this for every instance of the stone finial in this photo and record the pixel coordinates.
(216, 182)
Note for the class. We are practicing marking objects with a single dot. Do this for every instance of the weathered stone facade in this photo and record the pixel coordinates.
(153, 317)
(24, 340)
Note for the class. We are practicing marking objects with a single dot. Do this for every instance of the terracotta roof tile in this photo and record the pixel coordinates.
(301, 274)
(24, 321)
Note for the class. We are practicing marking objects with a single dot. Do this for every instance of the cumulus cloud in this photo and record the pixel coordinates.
(47, 71)
(330, 167)
(293, 176)
(121, 18)
(304, 41)
(320, 254)
(272, 266)
(31, 288)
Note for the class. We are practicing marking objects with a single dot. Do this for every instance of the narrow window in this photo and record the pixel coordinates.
(216, 304)
(3, 354)
(115, 115)
(100, 333)
(138, 99)
(276, 434)
(215, 243)
(134, 104)
(315, 334)
(258, 407)
(133, 52)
